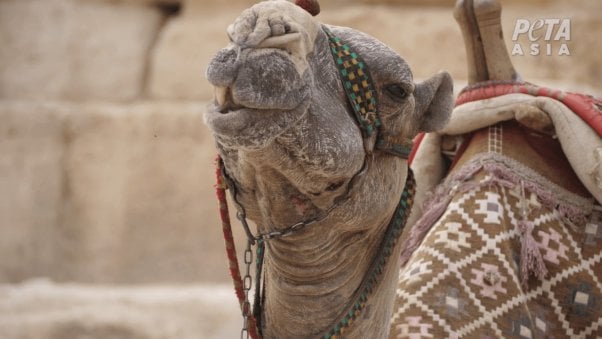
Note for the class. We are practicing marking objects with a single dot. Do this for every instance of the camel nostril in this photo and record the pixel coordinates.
(223, 67)
(278, 29)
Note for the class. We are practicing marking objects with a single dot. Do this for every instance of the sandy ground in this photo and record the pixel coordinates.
(42, 309)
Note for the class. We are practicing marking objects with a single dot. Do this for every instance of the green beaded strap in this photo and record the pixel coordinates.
(394, 230)
(401, 148)
(362, 96)
(357, 84)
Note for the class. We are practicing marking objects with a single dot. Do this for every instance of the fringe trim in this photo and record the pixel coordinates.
(504, 172)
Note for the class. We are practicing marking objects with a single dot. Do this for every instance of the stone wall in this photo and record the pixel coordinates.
(105, 165)
(102, 192)
(74, 50)
(413, 31)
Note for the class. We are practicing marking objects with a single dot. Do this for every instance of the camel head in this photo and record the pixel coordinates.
(280, 110)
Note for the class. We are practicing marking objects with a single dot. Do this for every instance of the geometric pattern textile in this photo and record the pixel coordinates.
(464, 281)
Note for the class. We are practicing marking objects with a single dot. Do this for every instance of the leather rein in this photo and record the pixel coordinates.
(362, 96)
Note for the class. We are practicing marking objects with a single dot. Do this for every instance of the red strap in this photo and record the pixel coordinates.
(586, 107)
(220, 190)
(417, 141)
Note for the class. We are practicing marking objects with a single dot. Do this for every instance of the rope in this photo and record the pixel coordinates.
(220, 190)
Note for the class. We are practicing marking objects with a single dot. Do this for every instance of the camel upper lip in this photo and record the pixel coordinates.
(224, 103)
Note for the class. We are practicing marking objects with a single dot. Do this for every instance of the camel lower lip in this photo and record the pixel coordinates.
(230, 108)
(251, 127)
(234, 113)
(235, 110)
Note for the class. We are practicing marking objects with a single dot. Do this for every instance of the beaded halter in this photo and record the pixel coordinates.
(362, 96)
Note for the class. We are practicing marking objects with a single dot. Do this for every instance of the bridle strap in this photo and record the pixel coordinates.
(363, 99)
(357, 84)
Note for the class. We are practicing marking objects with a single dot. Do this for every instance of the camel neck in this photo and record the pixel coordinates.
(308, 285)
(312, 278)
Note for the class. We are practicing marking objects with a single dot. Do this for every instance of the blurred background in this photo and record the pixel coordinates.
(108, 221)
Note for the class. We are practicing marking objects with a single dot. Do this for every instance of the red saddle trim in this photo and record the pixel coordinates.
(417, 141)
(588, 108)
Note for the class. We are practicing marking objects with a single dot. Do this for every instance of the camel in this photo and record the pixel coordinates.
(505, 244)
(507, 236)
(314, 149)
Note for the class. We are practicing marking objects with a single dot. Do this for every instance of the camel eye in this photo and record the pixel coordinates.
(396, 91)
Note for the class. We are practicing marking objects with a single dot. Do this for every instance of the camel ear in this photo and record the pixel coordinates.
(434, 102)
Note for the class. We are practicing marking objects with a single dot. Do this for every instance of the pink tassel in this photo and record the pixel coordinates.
(531, 260)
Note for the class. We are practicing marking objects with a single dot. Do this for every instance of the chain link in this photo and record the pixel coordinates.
(241, 214)
(247, 283)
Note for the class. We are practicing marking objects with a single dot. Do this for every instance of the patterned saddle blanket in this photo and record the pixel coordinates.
(466, 278)
(500, 251)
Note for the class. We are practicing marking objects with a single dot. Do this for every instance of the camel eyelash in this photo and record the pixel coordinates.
(396, 91)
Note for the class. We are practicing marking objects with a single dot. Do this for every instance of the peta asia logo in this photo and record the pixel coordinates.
(546, 37)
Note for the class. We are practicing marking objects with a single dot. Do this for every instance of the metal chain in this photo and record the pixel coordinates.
(247, 282)
(241, 214)
(242, 217)
(252, 239)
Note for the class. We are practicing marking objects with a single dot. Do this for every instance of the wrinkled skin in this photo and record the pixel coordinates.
(286, 133)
